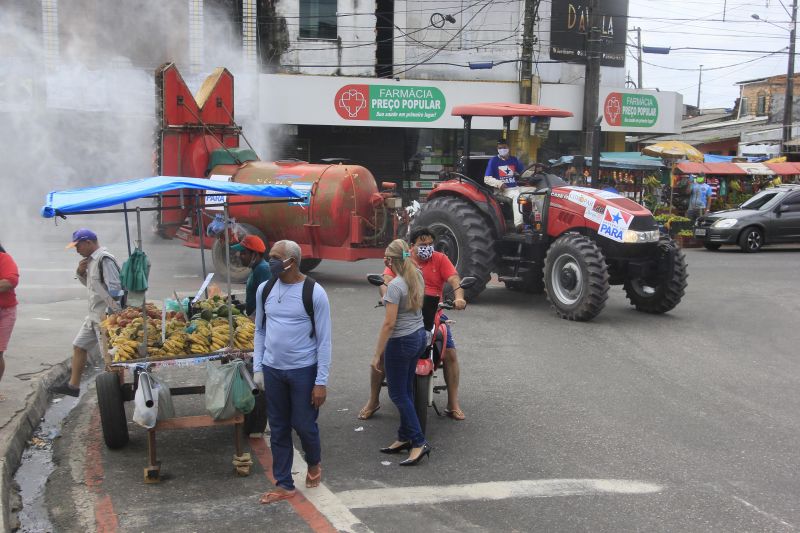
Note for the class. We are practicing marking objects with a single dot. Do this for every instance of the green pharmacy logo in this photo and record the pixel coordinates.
(389, 103)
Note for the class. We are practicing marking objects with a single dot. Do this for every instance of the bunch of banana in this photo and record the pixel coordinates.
(126, 349)
(220, 335)
(155, 351)
(243, 337)
(175, 344)
(219, 321)
(175, 326)
(198, 343)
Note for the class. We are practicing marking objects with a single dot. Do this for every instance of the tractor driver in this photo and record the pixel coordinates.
(501, 173)
(437, 270)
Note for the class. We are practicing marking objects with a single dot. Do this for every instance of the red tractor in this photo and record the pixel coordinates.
(578, 240)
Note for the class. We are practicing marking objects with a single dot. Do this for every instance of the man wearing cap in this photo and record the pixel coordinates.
(501, 173)
(699, 197)
(251, 254)
(99, 272)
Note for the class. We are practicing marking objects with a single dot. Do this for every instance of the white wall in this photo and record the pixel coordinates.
(471, 38)
(356, 28)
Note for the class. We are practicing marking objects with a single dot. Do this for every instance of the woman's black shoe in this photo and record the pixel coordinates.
(426, 450)
(398, 449)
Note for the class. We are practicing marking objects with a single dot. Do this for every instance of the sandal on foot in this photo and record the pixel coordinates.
(455, 414)
(313, 480)
(276, 496)
(366, 413)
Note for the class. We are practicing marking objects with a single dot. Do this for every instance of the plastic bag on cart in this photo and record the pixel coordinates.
(219, 384)
(243, 398)
(166, 409)
(162, 409)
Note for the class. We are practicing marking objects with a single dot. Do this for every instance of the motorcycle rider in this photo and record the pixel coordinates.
(437, 270)
(501, 173)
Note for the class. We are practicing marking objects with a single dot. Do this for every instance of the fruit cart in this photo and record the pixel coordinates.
(135, 341)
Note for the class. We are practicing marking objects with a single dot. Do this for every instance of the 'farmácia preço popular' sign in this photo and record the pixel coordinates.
(630, 109)
(389, 103)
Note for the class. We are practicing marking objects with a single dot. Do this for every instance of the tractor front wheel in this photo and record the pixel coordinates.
(660, 296)
(576, 277)
(463, 235)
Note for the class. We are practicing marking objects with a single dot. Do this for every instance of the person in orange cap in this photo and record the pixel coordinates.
(251, 254)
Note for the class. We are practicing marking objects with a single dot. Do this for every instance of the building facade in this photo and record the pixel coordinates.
(371, 81)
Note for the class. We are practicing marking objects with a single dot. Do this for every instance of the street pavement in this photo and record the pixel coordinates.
(683, 422)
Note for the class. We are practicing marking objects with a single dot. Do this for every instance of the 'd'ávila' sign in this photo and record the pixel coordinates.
(390, 103)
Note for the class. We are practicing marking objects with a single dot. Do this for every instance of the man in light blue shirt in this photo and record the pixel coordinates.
(291, 357)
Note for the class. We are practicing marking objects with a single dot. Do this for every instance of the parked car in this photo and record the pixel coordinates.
(771, 216)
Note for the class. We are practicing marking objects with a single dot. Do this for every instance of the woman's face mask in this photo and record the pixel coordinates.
(502, 152)
(276, 266)
(424, 251)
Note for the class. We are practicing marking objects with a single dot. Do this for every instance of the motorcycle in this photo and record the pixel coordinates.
(431, 360)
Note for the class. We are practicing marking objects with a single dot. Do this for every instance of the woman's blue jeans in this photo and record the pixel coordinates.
(288, 395)
(400, 363)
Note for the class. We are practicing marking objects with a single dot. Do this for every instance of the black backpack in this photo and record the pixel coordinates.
(308, 301)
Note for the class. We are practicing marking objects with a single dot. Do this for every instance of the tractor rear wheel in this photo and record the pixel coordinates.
(663, 295)
(576, 277)
(239, 273)
(463, 235)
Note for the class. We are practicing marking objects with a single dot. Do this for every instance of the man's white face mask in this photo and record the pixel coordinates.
(502, 152)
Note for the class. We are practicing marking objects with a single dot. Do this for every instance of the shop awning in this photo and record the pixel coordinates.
(755, 169)
(90, 198)
(726, 169)
(784, 169)
(692, 168)
(720, 169)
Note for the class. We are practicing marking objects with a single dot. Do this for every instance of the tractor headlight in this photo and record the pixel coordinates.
(724, 223)
(638, 237)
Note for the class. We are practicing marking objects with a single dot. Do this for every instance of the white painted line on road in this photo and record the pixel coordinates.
(40, 318)
(762, 513)
(327, 502)
(497, 490)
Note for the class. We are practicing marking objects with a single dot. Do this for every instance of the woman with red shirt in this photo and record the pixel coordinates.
(9, 276)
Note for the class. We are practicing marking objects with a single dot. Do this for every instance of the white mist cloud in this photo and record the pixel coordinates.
(89, 118)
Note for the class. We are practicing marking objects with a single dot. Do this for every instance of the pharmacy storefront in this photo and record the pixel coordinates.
(403, 130)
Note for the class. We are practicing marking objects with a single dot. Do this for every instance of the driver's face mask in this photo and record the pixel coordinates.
(502, 152)
(425, 251)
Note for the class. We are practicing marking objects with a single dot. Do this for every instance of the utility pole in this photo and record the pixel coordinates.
(591, 87)
(789, 98)
(639, 47)
(525, 76)
(699, 85)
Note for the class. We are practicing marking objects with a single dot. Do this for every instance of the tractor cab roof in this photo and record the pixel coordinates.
(499, 109)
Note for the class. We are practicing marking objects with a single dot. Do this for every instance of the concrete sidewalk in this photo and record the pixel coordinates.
(38, 355)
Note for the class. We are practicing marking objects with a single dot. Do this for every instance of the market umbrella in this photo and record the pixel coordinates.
(674, 150)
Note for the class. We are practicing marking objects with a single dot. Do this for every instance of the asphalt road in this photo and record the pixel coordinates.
(688, 421)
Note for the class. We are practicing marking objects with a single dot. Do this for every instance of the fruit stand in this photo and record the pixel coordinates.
(135, 341)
